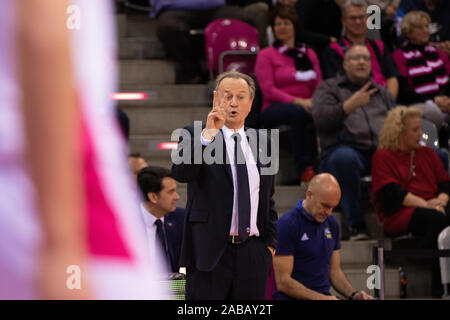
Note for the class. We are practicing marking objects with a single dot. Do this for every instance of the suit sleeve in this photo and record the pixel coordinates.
(185, 167)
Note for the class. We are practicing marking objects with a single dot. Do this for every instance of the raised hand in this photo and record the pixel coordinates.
(216, 118)
(359, 99)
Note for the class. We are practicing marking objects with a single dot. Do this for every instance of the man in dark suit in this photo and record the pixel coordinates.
(160, 192)
(230, 230)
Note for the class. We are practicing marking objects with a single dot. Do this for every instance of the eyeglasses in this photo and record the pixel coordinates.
(358, 57)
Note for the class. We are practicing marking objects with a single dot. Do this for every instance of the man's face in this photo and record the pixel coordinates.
(322, 203)
(354, 21)
(357, 64)
(234, 97)
(166, 199)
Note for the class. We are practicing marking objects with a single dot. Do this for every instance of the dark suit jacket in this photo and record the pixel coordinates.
(209, 208)
(173, 226)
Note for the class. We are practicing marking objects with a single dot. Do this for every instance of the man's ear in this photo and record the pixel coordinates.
(152, 197)
(308, 193)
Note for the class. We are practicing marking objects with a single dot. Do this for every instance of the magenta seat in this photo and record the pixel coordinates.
(230, 45)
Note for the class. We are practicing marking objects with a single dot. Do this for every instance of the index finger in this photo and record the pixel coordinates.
(366, 86)
(370, 92)
(214, 99)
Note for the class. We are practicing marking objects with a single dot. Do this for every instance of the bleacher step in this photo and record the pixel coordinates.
(168, 95)
(140, 26)
(357, 251)
(374, 229)
(141, 48)
(146, 72)
(162, 121)
(358, 276)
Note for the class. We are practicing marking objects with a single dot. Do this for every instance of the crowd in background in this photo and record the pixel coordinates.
(336, 82)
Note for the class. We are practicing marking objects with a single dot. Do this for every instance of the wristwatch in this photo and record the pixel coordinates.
(350, 297)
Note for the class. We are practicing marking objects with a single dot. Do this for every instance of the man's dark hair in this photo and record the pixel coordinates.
(150, 179)
(134, 155)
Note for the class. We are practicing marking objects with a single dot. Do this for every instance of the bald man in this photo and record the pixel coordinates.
(307, 258)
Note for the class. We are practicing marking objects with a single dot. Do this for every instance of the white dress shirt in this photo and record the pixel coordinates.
(152, 240)
(253, 178)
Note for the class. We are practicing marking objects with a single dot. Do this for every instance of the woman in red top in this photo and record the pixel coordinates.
(409, 183)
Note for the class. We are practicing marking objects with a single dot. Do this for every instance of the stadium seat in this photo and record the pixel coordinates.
(230, 45)
(430, 134)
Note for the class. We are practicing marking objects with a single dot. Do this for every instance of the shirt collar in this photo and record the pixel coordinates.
(149, 218)
(227, 132)
(305, 214)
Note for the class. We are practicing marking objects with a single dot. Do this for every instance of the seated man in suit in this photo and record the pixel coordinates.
(163, 220)
(230, 230)
(307, 258)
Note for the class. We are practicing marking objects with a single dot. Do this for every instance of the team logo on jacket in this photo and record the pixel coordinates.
(328, 233)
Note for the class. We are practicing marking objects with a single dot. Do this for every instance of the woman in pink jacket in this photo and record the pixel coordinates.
(288, 73)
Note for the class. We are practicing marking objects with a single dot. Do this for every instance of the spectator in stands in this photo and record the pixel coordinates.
(354, 19)
(259, 13)
(163, 220)
(409, 183)
(288, 73)
(439, 11)
(319, 21)
(388, 30)
(348, 112)
(307, 257)
(136, 163)
(175, 18)
(424, 70)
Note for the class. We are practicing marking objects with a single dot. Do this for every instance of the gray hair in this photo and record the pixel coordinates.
(347, 51)
(355, 3)
(411, 19)
(237, 75)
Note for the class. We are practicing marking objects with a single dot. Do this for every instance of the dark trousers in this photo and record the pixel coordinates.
(428, 224)
(348, 165)
(298, 120)
(241, 274)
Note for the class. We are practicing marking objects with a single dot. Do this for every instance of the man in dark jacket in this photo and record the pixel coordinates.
(230, 231)
(163, 220)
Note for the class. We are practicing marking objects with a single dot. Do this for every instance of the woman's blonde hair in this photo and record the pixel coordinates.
(394, 124)
(412, 19)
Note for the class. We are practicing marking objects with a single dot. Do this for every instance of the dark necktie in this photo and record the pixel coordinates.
(243, 189)
(161, 238)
